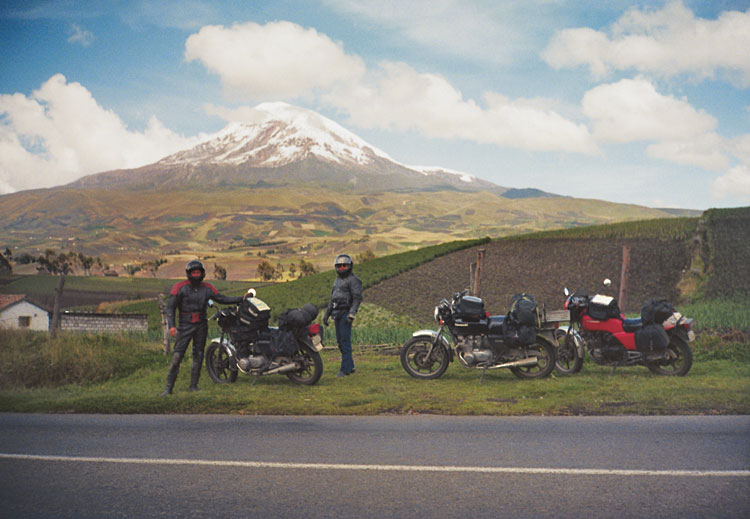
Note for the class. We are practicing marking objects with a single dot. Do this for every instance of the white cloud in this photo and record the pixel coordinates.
(60, 133)
(665, 42)
(272, 61)
(734, 185)
(81, 36)
(282, 60)
(632, 110)
(398, 97)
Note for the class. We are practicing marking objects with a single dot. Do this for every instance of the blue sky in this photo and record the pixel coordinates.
(636, 102)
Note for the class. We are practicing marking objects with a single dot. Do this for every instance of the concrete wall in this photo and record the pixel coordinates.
(38, 317)
(103, 323)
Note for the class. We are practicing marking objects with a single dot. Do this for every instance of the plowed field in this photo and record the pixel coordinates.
(541, 267)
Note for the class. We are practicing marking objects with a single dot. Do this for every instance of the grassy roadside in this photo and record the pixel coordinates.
(380, 386)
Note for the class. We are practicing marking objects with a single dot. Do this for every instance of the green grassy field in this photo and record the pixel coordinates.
(124, 374)
(381, 386)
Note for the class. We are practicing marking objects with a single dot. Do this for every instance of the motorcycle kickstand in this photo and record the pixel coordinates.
(613, 370)
(481, 378)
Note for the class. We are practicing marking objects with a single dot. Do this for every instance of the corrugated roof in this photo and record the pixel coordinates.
(8, 299)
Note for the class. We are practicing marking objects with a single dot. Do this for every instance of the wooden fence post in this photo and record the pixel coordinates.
(624, 277)
(476, 273)
(164, 323)
(55, 324)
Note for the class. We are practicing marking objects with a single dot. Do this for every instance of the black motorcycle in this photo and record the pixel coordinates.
(478, 341)
(248, 345)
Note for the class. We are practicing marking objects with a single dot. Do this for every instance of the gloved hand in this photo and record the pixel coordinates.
(350, 318)
(325, 321)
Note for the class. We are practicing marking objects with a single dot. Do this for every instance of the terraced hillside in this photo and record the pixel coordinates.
(661, 253)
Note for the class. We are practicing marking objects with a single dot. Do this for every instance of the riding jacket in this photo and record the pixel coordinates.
(346, 296)
(191, 300)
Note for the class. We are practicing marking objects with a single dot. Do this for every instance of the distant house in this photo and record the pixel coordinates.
(18, 312)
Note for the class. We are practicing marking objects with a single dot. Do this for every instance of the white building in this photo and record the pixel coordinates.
(17, 312)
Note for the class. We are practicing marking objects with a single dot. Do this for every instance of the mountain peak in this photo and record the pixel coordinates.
(275, 134)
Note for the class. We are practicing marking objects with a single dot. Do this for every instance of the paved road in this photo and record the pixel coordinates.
(403, 467)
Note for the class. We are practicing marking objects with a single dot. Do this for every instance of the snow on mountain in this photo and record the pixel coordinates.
(282, 135)
(435, 170)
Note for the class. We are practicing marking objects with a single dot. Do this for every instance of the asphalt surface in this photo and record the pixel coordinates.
(403, 467)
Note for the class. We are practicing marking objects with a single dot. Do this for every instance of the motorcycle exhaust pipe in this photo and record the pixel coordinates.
(292, 366)
(517, 363)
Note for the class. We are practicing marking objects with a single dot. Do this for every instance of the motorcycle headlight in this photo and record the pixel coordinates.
(436, 313)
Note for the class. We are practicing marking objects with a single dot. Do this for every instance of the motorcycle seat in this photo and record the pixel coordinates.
(631, 325)
(495, 325)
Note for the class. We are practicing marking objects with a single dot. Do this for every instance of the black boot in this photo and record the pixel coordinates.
(195, 374)
(174, 369)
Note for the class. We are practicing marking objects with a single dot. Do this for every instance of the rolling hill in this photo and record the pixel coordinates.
(291, 185)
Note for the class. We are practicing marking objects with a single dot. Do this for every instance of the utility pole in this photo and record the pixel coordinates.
(164, 323)
(55, 324)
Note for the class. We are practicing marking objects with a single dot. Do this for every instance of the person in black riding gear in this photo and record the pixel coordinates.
(190, 299)
(346, 297)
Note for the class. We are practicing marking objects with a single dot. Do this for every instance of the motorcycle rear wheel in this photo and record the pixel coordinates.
(312, 368)
(220, 364)
(680, 362)
(416, 363)
(567, 360)
(545, 354)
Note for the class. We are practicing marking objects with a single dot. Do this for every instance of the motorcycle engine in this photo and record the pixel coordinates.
(606, 348)
(251, 362)
(473, 349)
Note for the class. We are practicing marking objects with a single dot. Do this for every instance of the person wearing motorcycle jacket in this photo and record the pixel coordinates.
(346, 297)
(190, 299)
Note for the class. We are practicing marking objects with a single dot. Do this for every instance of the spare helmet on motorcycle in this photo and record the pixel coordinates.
(343, 264)
(195, 271)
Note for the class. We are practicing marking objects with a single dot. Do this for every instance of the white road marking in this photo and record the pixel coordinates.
(392, 468)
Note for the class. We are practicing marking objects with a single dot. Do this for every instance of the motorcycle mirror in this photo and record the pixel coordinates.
(607, 282)
(566, 291)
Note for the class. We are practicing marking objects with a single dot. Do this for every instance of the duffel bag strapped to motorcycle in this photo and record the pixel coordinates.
(253, 313)
(656, 311)
(651, 337)
(603, 307)
(523, 321)
(525, 311)
(297, 318)
(470, 308)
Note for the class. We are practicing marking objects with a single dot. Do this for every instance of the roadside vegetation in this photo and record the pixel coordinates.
(124, 374)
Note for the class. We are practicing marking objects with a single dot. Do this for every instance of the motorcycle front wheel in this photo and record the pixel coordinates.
(312, 368)
(678, 361)
(545, 360)
(417, 362)
(220, 365)
(567, 360)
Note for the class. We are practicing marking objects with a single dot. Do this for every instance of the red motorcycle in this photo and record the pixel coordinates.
(658, 339)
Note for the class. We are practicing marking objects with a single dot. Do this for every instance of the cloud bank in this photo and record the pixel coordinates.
(61, 133)
(667, 42)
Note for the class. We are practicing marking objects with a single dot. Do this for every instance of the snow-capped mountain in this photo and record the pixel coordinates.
(279, 135)
(281, 144)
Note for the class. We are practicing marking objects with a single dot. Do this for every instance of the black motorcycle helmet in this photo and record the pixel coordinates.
(343, 264)
(195, 265)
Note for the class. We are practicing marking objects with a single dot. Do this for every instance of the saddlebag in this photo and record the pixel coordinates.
(299, 317)
(253, 314)
(656, 311)
(470, 308)
(523, 322)
(652, 337)
(283, 342)
(603, 307)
